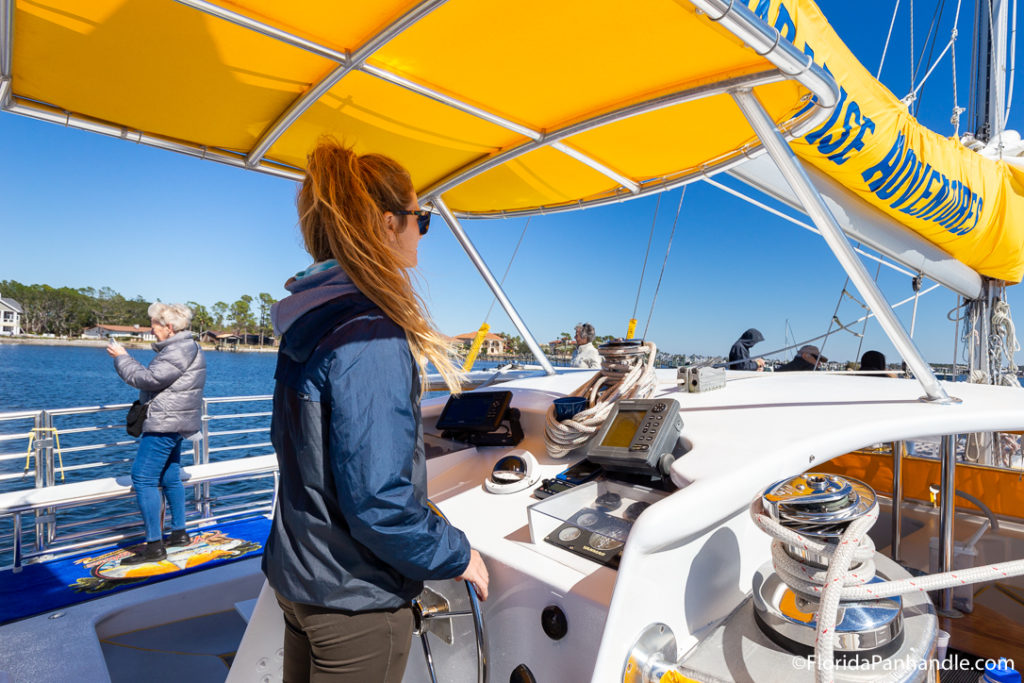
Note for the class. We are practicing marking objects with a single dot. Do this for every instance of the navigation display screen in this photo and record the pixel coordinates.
(481, 411)
(624, 428)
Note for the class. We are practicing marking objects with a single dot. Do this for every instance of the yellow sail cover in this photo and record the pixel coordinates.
(970, 206)
(464, 83)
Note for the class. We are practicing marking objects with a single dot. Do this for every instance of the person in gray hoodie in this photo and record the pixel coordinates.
(171, 387)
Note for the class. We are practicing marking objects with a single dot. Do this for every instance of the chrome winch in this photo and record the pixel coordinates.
(820, 507)
(619, 356)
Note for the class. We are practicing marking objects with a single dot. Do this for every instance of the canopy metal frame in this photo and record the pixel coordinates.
(488, 276)
(357, 62)
(736, 18)
(826, 223)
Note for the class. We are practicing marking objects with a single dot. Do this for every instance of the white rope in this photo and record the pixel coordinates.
(1004, 343)
(913, 93)
(850, 570)
(878, 75)
(913, 316)
(639, 381)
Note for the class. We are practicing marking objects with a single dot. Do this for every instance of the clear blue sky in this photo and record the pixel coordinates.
(82, 210)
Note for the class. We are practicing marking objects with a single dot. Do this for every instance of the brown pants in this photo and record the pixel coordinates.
(323, 645)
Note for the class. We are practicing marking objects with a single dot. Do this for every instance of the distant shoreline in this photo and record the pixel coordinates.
(100, 343)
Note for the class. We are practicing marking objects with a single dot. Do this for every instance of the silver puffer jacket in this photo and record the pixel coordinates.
(172, 385)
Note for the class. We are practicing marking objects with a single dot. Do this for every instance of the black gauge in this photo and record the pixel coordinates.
(602, 542)
(608, 501)
(633, 511)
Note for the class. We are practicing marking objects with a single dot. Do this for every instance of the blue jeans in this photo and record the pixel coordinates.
(158, 464)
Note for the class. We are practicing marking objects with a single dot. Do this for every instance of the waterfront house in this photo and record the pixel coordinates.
(121, 332)
(221, 339)
(10, 317)
(493, 344)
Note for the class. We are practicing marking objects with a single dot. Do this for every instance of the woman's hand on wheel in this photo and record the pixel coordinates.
(476, 573)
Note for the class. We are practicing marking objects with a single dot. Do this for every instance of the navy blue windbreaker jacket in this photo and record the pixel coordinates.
(351, 530)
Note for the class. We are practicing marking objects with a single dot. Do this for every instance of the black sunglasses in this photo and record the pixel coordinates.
(422, 218)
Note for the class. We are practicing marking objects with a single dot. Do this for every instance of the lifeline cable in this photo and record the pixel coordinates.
(647, 253)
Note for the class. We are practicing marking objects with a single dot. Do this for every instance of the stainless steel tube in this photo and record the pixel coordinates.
(808, 195)
(488, 277)
(947, 509)
(897, 497)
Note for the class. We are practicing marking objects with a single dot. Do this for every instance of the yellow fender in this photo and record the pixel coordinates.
(474, 349)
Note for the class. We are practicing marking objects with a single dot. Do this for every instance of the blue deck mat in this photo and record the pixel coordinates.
(47, 586)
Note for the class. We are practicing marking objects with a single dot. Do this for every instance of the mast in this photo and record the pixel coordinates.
(988, 59)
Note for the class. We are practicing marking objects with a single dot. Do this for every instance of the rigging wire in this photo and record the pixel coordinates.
(646, 254)
(913, 96)
(668, 248)
(864, 327)
(913, 76)
(957, 109)
(929, 38)
(509, 266)
(1013, 64)
(956, 333)
(835, 313)
(795, 221)
(888, 37)
(822, 336)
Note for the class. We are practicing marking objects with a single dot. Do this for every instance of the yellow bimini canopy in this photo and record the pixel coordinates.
(498, 108)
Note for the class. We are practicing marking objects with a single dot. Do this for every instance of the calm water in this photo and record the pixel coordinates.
(46, 377)
(54, 377)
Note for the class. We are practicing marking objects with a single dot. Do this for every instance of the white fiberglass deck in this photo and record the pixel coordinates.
(689, 558)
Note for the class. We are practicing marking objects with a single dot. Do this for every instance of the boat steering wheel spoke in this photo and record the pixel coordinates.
(433, 613)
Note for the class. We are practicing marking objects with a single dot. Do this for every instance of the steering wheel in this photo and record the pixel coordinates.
(441, 609)
(435, 614)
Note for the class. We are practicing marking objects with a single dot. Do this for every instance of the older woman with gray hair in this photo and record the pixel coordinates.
(585, 355)
(171, 388)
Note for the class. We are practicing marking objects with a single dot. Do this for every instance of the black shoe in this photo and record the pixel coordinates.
(152, 551)
(179, 537)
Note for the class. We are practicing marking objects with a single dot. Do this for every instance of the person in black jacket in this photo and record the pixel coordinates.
(739, 354)
(874, 361)
(353, 537)
(807, 358)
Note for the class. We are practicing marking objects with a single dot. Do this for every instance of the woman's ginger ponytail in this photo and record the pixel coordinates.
(341, 212)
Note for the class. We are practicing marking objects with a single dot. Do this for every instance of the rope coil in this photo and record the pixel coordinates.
(625, 373)
(850, 569)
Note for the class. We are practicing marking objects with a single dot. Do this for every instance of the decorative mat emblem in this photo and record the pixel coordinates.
(107, 571)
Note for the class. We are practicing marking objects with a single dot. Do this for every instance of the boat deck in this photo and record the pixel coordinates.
(46, 586)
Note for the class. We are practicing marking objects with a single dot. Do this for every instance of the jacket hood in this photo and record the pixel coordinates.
(751, 337)
(310, 289)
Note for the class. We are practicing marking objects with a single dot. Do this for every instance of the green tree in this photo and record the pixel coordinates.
(202, 320)
(242, 320)
(220, 312)
(67, 312)
(265, 327)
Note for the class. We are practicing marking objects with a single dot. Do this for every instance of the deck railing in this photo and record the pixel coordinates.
(49, 448)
